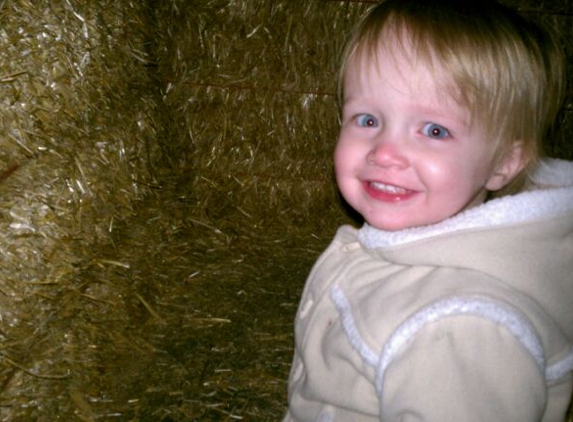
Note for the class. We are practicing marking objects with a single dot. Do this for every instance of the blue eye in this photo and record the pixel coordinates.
(435, 131)
(367, 120)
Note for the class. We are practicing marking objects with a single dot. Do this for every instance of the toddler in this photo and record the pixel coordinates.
(454, 300)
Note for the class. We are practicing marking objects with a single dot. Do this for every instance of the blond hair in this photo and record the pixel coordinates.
(509, 72)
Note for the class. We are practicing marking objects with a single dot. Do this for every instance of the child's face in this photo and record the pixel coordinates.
(407, 154)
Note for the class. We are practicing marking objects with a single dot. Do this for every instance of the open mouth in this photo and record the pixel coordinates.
(387, 193)
(395, 190)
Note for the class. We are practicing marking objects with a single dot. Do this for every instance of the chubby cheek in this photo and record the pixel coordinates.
(340, 160)
(342, 169)
(438, 174)
(347, 154)
(346, 166)
(454, 183)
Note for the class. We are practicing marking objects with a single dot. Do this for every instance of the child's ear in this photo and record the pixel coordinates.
(508, 168)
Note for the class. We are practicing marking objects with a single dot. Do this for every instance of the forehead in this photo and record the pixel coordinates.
(396, 65)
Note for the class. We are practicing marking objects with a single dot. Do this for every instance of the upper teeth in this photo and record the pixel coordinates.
(388, 188)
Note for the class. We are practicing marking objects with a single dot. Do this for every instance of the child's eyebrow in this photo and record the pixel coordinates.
(452, 111)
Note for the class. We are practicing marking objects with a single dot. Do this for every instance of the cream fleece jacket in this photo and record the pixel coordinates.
(469, 319)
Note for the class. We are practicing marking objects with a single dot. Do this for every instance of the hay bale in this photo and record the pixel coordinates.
(251, 90)
(75, 137)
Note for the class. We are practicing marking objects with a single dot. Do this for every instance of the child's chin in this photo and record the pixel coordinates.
(388, 226)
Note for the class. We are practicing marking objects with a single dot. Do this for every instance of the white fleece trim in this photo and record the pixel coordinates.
(554, 199)
(516, 323)
(553, 172)
(561, 368)
(352, 334)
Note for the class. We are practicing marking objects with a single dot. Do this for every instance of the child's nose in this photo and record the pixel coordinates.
(387, 152)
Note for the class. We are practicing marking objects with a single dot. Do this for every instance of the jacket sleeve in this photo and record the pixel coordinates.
(463, 368)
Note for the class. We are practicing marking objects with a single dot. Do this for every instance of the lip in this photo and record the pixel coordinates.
(386, 192)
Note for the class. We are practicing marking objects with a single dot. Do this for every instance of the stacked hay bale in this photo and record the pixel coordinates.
(252, 105)
(165, 186)
(75, 134)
